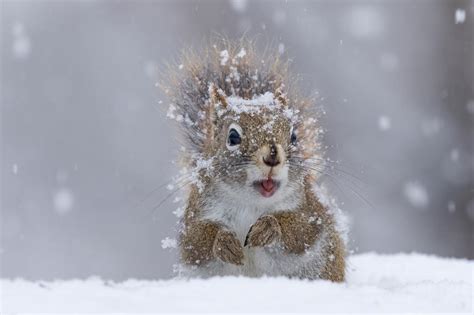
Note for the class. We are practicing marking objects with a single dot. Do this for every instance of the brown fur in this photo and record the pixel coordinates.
(265, 231)
(227, 248)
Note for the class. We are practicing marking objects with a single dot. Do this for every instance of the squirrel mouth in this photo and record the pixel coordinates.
(266, 187)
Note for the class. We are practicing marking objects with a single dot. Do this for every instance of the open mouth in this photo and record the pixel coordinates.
(266, 187)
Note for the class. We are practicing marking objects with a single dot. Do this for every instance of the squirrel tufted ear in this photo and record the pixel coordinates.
(281, 97)
(217, 95)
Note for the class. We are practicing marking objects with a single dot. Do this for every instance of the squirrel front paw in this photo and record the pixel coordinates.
(263, 232)
(228, 248)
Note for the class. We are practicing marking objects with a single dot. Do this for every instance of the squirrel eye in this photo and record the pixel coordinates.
(234, 137)
(293, 138)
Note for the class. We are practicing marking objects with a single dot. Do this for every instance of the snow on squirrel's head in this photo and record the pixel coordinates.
(244, 129)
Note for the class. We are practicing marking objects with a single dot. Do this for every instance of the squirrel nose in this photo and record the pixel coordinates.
(272, 159)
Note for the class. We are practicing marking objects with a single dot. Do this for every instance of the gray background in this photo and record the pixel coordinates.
(84, 140)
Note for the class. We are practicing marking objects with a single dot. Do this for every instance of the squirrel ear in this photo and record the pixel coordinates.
(281, 97)
(217, 95)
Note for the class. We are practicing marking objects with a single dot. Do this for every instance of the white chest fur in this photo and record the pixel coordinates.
(239, 216)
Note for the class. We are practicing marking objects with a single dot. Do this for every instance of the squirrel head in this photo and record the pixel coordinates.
(247, 130)
(254, 143)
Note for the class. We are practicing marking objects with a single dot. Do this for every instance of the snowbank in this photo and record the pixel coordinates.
(377, 283)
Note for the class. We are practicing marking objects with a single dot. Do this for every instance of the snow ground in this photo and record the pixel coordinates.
(376, 283)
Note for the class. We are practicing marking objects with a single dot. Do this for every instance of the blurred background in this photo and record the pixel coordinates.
(85, 139)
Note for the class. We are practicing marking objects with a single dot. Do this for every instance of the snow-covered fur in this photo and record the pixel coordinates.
(251, 156)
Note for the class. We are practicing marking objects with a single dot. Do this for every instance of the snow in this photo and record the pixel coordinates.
(239, 104)
(168, 243)
(224, 57)
(15, 168)
(21, 42)
(451, 206)
(375, 283)
(384, 123)
(239, 5)
(416, 194)
(171, 112)
(459, 16)
(281, 48)
(365, 22)
(63, 200)
(241, 53)
(179, 212)
(204, 166)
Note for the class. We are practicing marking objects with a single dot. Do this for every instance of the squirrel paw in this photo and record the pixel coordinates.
(263, 232)
(227, 248)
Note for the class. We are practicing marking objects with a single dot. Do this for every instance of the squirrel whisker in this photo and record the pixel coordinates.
(332, 166)
(180, 187)
(335, 180)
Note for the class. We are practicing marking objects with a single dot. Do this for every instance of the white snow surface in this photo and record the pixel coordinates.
(375, 283)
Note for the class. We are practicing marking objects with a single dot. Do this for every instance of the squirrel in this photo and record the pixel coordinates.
(252, 154)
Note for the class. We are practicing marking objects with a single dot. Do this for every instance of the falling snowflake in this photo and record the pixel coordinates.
(365, 22)
(224, 57)
(459, 16)
(63, 201)
(281, 48)
(416, 194)
(451, 206)
(239, 5)
(179, 212)
(384, 123)
(168, 243)
(21, 42)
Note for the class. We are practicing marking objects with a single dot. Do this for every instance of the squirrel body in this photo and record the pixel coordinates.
(251, 159)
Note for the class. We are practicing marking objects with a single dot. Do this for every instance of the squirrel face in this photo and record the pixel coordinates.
(254, 140)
